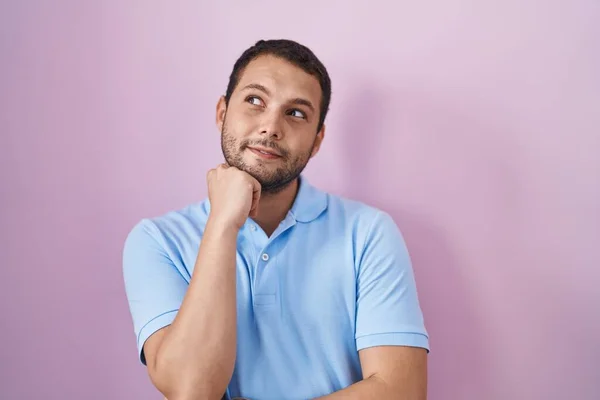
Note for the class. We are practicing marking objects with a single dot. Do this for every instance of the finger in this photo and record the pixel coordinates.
(254, 208)
(256, 192)
(253, 213)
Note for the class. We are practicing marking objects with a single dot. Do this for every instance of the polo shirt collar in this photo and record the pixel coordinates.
(310, 202)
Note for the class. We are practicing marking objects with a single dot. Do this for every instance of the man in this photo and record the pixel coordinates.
(271, 288)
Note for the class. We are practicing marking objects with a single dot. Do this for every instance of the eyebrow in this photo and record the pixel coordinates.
(303, 102)
(298, 100)
(257, 87)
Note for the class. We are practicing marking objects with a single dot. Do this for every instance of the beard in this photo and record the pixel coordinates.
(272, 179)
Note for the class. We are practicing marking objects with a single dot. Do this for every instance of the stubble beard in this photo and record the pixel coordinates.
(272, 181)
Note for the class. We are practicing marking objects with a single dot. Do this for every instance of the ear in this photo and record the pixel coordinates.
(221, 111)
(318, 141)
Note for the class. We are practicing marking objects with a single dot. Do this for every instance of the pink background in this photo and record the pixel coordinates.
(477, 126)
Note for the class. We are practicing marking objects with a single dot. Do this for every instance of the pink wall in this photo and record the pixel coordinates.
(477, 126)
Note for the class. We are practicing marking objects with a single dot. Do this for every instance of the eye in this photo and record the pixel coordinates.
(254, 100)
(297, 113)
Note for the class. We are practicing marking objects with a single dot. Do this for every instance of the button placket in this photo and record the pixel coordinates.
(266, 280)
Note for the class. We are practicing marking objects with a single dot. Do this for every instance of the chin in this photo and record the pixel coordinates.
(260, 175)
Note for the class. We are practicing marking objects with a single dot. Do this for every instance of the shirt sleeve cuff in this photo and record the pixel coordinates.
(393, 339)
(151, 327)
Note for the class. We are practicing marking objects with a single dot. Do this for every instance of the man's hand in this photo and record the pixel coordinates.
(233, 195)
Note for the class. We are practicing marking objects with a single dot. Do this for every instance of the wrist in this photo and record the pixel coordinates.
(221, 227)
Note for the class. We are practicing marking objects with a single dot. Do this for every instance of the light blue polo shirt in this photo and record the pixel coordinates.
(334, 278)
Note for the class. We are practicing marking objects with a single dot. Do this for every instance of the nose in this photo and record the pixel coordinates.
(271, 125)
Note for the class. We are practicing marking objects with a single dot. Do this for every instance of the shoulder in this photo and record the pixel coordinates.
(170, 229)
(363, 219)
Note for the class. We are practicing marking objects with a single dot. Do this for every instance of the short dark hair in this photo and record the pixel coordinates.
(293, 52)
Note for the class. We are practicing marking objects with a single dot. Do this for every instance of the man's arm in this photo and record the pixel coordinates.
(389, 372)
(194, 356)
(391, 338)
(187, 333)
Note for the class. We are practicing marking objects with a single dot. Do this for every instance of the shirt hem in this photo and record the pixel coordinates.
(151, 327)
(412, 339)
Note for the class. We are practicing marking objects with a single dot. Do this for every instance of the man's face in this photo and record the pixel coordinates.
(269, 128)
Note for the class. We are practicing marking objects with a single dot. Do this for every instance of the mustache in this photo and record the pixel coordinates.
(264, 143)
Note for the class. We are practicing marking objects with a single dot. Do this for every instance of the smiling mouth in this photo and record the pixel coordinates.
(264, 153)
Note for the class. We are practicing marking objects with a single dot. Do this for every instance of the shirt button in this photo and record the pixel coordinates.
(265, 257)
(253, 227)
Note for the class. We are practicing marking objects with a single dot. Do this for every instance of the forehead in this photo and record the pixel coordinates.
(281, 78)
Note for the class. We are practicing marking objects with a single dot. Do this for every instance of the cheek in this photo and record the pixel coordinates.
(309, 140)
(242, 124)
(301, 149)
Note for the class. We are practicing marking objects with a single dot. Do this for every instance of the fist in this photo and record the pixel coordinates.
(233, 195)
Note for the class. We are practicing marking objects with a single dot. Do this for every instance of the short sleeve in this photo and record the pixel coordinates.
(153, 285)
(388, 310)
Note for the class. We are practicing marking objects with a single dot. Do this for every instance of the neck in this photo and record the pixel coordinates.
(273, 208)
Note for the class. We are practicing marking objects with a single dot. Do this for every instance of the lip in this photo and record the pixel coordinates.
(268, 153)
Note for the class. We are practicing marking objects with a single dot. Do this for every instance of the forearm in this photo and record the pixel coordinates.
(371, 388)
(196, 358)
(375, 388)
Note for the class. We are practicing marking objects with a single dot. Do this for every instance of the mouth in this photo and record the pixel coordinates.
(264, 152)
